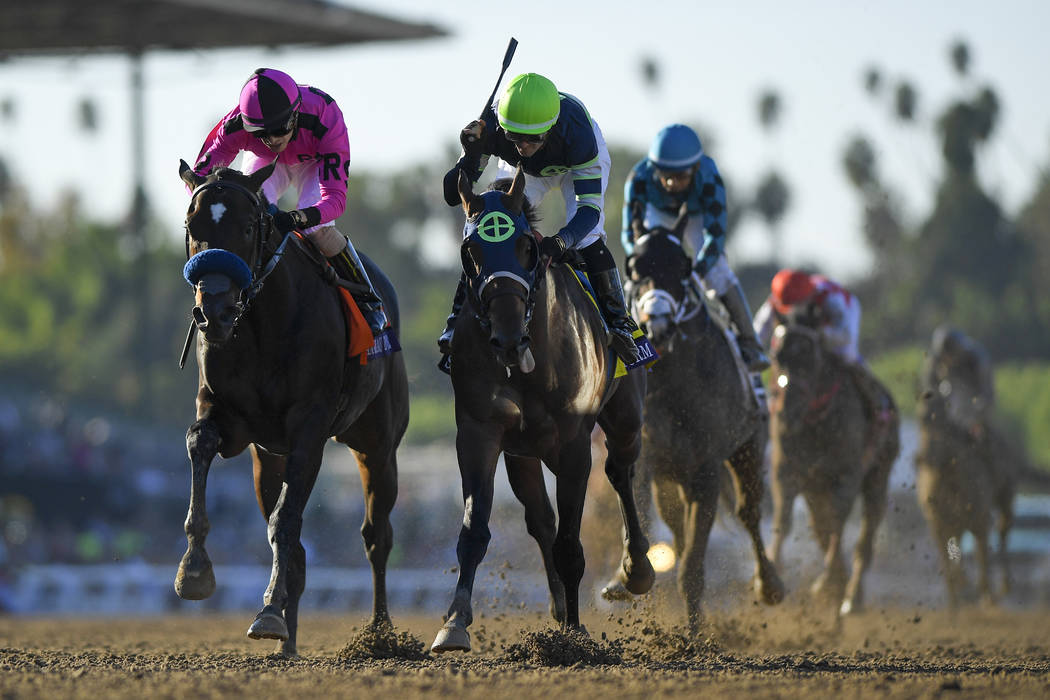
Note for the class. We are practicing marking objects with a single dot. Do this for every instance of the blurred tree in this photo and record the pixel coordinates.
(769, 109)
(87, 115)
(960, 56)
(905, 101)
(651, 73)
(872, 80)
(966, 263)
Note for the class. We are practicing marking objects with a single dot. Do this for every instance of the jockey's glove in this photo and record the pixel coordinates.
(470, 139)
(287, 221)
(553, 247)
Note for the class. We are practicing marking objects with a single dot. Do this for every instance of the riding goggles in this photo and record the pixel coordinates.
(515, 137)
(261, 132)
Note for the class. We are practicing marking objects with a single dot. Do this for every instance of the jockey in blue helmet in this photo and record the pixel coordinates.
(677, 172)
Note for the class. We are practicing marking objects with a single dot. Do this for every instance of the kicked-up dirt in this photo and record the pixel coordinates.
(632, 652)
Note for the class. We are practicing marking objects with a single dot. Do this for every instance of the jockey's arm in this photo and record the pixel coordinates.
(765, 323)
(835, 329)
(632, 196)
(222, 144)
(586, 173)
(713, 205)
(473, 164)
(333, 170)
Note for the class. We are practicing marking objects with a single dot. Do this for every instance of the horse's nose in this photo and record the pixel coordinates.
(215, 316)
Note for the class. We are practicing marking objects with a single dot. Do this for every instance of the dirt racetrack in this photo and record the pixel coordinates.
(888, 653)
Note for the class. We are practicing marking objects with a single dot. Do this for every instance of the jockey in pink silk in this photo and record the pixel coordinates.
(302, 128)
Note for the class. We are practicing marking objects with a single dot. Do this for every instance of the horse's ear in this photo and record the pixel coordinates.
(637, 220)
(516, 194)
(262, 175)
(188, 176)
(466, 192)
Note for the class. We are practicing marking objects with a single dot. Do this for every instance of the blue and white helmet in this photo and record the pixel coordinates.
(676, 147)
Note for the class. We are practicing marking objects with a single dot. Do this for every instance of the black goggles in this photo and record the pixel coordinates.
(261, 132)
(515, 137)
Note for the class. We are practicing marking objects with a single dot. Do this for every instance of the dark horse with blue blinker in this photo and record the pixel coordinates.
(700, 414)
(532, 374)
(275, 378)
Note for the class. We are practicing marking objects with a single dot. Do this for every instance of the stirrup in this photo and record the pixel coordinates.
(375, 318)
(753, 356)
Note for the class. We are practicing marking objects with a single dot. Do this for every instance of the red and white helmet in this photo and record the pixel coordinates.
(791, 287)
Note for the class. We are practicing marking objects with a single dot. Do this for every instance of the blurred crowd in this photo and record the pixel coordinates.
(92, 490)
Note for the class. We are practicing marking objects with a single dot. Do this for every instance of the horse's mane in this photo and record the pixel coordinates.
(531, 215)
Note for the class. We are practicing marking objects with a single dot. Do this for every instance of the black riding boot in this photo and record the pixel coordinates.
(750, 349)
(445, 339)
(349, 267)
(609, 291)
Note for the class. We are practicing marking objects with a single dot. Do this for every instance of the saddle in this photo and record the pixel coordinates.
(359, 340)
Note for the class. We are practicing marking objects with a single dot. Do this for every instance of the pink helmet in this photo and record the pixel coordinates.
(269, 101)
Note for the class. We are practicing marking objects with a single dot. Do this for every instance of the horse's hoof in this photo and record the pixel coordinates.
(195, 579)
(848, 607)
(641, 578)
(451, 637)
(615, 591)
(770, 589)
(268, 625)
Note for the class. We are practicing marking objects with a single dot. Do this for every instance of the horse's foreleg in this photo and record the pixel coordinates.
(701, 501)
(1006, 522)
(624, 444)
(279, 617)
(195, 579)
(477, 449)
(873, 508)
(984, 589)
(784, 491)
(828, 512)
(379, 483)
(746, 469)
(574, 467)
(526, 480)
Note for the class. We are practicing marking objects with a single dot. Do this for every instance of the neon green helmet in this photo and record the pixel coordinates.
(529, 105)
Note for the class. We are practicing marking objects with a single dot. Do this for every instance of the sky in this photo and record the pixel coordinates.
(404, 102)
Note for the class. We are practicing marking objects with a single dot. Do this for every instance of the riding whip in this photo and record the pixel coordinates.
(513, 44)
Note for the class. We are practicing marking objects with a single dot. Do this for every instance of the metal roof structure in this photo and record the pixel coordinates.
(132, 28)
(44, 27)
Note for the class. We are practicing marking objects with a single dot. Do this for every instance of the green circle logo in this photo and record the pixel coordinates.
(496, 227)
(552, 170)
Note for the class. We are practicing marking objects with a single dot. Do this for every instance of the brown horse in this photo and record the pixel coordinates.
(967, 472)
(701, 414)
(532, 374)
(275, 378)
(820, 432)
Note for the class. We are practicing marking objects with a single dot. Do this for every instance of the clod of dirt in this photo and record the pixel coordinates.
(655, 643)
(382, 642)
(555, 647)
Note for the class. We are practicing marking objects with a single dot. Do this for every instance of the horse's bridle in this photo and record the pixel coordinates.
(816, 403)
(525, 282)
(681, 311)
(261, 224)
